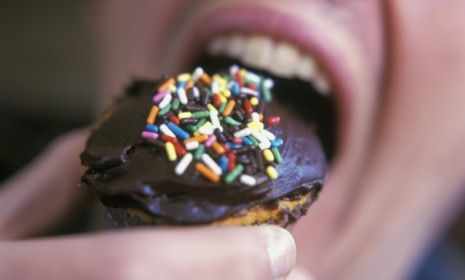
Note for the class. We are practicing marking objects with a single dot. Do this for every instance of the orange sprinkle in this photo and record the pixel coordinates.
(207, 173)
(190, 84)
(218, 148)
(153, 115)
(168, 83)
(229, 107)
(198, 138)
(205, 79)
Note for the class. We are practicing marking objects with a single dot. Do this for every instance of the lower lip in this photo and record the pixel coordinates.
(255, 18)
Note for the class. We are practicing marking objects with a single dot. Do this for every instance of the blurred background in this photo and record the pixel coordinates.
(48, 86)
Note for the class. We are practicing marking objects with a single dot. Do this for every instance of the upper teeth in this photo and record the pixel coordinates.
(280, 58)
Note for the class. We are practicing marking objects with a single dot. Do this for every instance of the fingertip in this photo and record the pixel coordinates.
(281, 251)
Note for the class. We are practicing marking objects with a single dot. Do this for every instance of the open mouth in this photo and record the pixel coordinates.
(299, 80)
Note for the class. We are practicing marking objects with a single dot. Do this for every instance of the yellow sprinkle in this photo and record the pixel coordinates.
(197, 133)
(173, 88)
(268, 155)
(243, 73)
(255, 126)
(184, 115)
(254, 101)
(226, 93)
(260, 117)
(272, 173)
(222, 98)
(169, 147)
(184, 77)
(212, 108)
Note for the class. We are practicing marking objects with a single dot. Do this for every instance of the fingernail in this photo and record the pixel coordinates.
(281, 251)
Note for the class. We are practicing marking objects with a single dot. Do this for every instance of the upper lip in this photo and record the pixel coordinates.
(258, 18)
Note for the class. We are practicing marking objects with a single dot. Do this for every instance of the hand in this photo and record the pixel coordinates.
(46, 193)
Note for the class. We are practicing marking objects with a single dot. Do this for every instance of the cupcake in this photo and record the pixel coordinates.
(204, 148)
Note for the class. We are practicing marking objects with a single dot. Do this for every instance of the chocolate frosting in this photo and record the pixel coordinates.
(126, 171)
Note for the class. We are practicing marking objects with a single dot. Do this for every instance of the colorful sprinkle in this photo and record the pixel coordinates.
(183, 164)
(169, 147)
(217, 122)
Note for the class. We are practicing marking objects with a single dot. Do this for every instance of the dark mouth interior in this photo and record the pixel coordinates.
(308, 103)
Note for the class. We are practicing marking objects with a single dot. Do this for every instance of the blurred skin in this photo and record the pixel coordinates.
(397, 182)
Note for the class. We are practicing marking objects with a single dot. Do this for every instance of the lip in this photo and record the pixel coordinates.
(257, 18)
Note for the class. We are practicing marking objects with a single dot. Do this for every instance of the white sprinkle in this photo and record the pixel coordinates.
(197, 73)
(255, 117)
(165, 101)
(215, 87)
(243, 132)
(192, 145)
(207, 128)
(249, 91)
(254, 78)
(233, 70)
(212, 164)
(264, 145)
(268, 134)
(182, 95)
(183, 164)
(215, 121)
(166, 130)
(248, 180)
(269, 83)
(196, 92)
(260, 137)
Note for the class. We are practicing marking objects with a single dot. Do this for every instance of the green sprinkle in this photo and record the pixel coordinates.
(231, 121)
(201, 114)
(232, 176)
(199, 152)
(191, 128)
(252, 139)
(200, 124)
(222, 106)
(164, 110)
(277, 155)
(266, 93)
(175, 104)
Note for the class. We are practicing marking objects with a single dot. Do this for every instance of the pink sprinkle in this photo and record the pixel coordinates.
(210, 141)
(160, 95)
(149, 135)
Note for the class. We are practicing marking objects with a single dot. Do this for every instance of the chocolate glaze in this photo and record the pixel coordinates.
(125, 171)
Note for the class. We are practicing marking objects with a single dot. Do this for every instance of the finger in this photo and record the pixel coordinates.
(45, 191)
(262, 252)
(299, 274)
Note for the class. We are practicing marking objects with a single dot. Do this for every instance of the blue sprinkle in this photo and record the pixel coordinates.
(177, 130)
(224, 163)
(247, 141)
(233, 146)
(277, 142)
(151, 128)
(180, 84)
(235, 88)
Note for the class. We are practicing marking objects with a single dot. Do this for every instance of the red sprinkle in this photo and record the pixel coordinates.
(273, 120)
(252, 86)
(167, 138)
(248, 107)
(174, 119)
(237, 140)
(180, 151)
(216, 100)
(239, 79)
(231, 161)
(226, 148)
